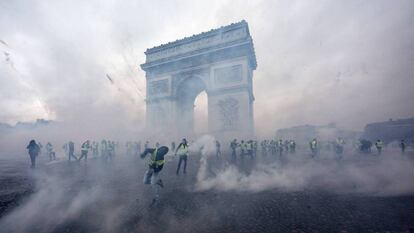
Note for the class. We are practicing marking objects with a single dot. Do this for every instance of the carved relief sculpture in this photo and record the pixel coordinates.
(229, 110)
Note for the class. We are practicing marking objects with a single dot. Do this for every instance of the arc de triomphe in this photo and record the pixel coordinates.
(220, 62)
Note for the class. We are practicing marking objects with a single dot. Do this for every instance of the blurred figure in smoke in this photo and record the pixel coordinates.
(71, 147)
(254, 148)
(273, 147)
(50, 152)
(286, 145)
(34, 151)
(292, 146)
(249, 148)
(218, 151)
(40, 148)
(242, 148)
(233, 147)
(104, 149)
(155, 164)
(128, 146)
(110, 150)
(402, 146)
(182, 152)
(95, 149)
(339, 146)
(139, 147)
(280, 147)
(84, 150)
(379, 145)
(146, 145)
(364, 146)
(314, 147)
(65, 148)
(263, 148)
(172, 146)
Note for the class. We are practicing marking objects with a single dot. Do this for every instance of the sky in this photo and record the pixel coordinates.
(347, 62)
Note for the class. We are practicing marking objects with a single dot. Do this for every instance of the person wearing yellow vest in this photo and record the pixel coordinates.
(156, 162)
(182, 152)
(339, 145)
(379, 145)
(314, 147)
(84, 150)
(50, 152)
(249, 148)
(280, 147)
(242, 149)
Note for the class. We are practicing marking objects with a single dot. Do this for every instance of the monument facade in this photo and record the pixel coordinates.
(221, 63)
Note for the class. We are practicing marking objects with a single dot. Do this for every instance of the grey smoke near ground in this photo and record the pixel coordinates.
(388, 174)
(107, 196)
(349, 62)
(69, 192)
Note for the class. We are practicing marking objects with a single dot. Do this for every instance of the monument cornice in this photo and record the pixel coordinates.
(228, 36)
(202, 57)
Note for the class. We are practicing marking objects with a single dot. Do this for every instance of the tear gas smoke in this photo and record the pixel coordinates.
(390, 174)
(68, 192)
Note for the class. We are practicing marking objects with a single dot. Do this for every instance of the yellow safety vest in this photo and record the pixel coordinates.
(380, 144)
(153, 161)
(182, 150)
(313, 144)
(85, 146)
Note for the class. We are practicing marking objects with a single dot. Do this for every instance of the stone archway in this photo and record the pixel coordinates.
(220, 62)
(186, 92)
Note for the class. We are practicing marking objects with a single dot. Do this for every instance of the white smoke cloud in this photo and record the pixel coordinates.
(71, 192)
(389, 174)
(319, 61)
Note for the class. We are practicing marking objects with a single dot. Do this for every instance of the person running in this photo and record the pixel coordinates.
(233, 147)
(34, 151)
(182, 152)
(314, 147)
(50, 152)
(218, 151)
(402, 146)
(156, 163)
(84, 150)
(71, 146)
(379, 144)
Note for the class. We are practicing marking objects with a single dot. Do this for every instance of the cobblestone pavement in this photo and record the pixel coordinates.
(100, 197)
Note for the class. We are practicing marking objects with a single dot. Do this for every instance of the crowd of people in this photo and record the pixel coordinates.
(106, 150)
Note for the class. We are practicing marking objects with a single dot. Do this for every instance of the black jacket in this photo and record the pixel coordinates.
(33, 148)
(161, 152)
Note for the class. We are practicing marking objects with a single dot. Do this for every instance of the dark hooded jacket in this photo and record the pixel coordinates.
(33, 148)
(161, 152)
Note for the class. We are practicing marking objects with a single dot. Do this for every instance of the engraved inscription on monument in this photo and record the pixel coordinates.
(210, 41)
(158, 87)
(226, 75)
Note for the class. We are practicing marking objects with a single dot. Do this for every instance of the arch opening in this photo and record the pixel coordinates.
(186, 94)
(201, 114)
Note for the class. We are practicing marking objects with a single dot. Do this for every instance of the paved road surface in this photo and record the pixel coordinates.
(100, 197)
